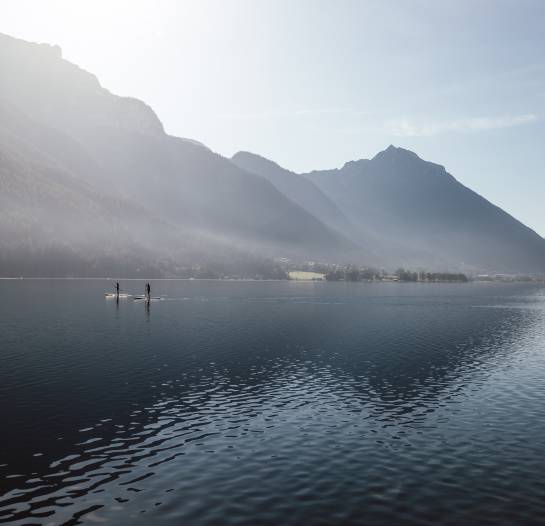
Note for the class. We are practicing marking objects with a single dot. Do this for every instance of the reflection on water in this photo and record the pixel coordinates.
(272, 403)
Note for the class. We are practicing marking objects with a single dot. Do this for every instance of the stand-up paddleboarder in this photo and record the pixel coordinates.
(117, 289)
(148, 291)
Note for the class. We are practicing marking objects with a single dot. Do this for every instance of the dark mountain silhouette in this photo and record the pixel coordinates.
(425, 217)
(71, 149)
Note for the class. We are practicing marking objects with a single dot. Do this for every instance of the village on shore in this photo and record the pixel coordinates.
(286, 269)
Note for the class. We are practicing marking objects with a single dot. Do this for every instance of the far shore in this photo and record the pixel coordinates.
(254, 280)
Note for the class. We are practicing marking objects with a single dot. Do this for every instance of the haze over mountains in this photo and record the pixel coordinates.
(402, 208)
(97, 158)
(92, 185)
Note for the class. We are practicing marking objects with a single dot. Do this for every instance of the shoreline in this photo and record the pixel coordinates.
(250, 280)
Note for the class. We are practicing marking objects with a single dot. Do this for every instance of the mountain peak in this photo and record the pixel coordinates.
(391, 155)
(395, 152)
(28, 64)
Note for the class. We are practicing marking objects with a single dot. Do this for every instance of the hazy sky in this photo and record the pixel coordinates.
(312, 84)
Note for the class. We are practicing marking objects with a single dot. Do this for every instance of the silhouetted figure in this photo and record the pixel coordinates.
(117, 288)
(148, 291)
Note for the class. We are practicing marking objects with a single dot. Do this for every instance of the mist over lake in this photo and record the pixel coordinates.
(272, 403)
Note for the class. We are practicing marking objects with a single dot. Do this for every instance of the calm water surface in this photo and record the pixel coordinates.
(272, 403)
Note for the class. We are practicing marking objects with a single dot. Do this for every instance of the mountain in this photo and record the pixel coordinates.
(298, 188)
(424, 217)
(90, 184)
(54, 223)
(75, 155)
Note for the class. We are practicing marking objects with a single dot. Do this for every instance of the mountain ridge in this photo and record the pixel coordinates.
(112, 188)
(297, 188)
(119, 144)
(401, 195)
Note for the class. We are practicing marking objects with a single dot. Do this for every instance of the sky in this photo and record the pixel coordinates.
(313, 84)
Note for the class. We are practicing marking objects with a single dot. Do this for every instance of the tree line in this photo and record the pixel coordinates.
(353, 273)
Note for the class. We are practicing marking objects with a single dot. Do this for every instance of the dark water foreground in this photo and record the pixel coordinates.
(272, 403)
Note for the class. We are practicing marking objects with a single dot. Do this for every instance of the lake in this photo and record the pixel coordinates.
(272, 403)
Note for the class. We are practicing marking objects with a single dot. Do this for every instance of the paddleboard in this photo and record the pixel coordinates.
(144, 298)
(114, 295)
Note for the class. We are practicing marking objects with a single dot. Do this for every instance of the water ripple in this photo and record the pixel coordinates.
(265, 407)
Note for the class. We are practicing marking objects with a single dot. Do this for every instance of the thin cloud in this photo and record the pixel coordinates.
(406, 128)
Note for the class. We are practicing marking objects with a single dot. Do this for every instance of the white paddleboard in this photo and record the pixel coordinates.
(114, 295)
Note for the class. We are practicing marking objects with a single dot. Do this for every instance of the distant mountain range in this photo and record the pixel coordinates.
(404, 209)
(90, 184)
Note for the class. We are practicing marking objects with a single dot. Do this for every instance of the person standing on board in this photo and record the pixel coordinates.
(148, 291)
(117, 288)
